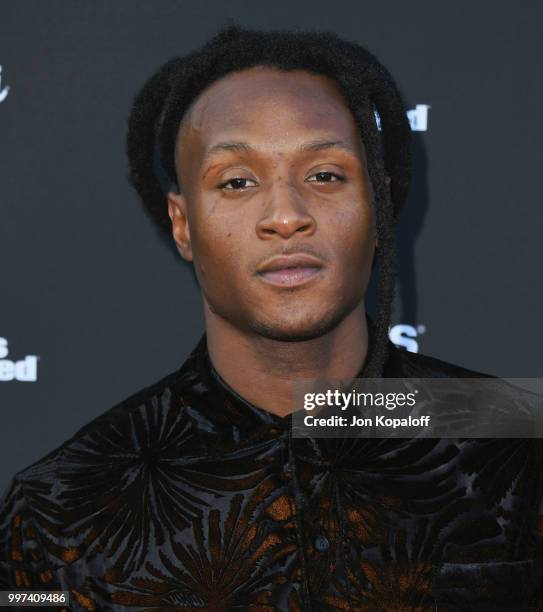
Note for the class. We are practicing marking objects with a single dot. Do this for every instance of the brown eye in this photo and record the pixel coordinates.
(237, 184)
(325, 177)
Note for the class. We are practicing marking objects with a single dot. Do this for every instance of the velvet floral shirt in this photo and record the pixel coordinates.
(186, 497)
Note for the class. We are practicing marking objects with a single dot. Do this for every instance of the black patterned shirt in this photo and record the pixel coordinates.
(187, 497)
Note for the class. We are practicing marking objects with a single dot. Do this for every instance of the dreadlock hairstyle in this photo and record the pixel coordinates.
(368, 89)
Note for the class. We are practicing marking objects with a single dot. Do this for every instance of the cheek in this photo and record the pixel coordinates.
(216, 247)
(352, 232)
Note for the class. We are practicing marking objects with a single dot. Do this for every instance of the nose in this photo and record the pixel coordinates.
(285, 213)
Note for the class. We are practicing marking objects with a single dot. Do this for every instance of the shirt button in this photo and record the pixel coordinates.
(321, 543)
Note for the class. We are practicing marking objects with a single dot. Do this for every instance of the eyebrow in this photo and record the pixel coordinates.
(313, 145)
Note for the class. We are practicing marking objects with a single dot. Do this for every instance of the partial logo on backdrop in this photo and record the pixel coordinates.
(418, 118)
(4, 89)
(23, 370)
(405, 336)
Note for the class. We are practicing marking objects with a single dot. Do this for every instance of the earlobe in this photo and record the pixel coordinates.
(177, 211)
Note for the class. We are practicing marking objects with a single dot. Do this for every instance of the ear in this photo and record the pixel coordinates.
(177, 211)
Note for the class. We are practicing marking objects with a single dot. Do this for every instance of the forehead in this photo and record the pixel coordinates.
(269, 104)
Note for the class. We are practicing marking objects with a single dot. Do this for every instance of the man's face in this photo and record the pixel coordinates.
(261, 178)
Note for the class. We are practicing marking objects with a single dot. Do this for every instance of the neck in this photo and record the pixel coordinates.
(262, 370)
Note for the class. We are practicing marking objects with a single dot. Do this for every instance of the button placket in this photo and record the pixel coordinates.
(298, 503)
(321, 543)
(287, 472)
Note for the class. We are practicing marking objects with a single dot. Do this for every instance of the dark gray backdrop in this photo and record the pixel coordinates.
(91, 291)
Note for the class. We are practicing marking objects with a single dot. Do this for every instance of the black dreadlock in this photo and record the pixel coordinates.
(367, 86)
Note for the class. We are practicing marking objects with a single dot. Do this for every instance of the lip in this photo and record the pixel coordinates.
(290, 270)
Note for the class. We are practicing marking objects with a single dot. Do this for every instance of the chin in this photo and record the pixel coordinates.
(296, 331)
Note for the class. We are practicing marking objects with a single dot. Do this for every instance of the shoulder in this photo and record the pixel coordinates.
(500, 407)
(405, 364)
(121, 433)
(99, 472)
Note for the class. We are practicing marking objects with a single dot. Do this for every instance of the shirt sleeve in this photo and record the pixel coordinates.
(23, 564)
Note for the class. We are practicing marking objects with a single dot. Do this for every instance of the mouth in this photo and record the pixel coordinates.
(290, 271)
(290, 276)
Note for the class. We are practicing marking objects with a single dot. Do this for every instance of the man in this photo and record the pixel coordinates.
(193, 493)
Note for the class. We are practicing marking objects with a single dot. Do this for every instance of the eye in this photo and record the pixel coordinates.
(237, 184)
(325, 177)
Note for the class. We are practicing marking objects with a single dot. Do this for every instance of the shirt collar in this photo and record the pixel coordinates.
(223, 419)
